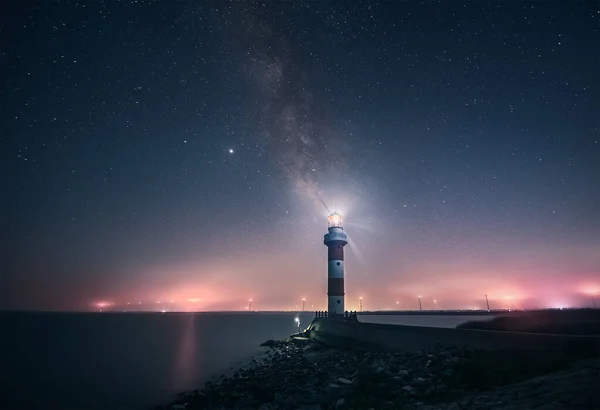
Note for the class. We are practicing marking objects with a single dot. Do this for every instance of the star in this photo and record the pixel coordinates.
(230, 151)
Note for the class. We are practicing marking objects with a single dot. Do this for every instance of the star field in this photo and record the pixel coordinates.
(189, 150)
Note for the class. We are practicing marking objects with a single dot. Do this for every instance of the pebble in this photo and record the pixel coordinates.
(340, 403)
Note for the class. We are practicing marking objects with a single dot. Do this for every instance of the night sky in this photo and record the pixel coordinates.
(187, 151)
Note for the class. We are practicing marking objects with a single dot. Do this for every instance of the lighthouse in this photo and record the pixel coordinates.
(335, 240)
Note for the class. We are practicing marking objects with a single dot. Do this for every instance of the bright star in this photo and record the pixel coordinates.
(230, 151)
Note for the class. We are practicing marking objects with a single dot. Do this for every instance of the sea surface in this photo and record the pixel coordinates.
(135, 360)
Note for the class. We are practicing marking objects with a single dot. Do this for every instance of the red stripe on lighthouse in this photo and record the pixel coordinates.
(335, 287)
(335, 251)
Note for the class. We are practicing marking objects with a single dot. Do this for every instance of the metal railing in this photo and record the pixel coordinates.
(348, 315)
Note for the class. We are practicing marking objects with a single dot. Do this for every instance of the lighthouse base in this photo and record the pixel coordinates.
(335, 305)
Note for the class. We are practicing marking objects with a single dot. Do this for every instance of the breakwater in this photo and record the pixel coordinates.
(350, 333)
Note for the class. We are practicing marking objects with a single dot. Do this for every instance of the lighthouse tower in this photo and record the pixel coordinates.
(335, 240)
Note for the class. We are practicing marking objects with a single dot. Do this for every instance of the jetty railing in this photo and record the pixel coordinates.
(348, 315)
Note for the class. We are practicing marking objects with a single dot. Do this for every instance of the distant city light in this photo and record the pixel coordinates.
(559, 305)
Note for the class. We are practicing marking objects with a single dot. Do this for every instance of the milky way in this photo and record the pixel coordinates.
(288, 119)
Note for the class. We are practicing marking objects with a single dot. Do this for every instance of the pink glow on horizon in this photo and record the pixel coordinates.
(519, 280)
(590, 290)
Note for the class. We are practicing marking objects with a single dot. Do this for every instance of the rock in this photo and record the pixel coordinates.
(309, 397)
(178, 407)
(269, 343)
(344, 381)
(448, 372)
(321, 375)
(407, 388)
(260, 393)
(340, 403)
(353, 375)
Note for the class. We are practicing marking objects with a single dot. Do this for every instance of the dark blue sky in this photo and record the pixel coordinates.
(180, 150)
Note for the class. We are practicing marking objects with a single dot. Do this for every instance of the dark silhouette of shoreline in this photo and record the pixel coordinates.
(556, 321)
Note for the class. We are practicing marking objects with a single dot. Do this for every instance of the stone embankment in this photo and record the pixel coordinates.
(299, 373)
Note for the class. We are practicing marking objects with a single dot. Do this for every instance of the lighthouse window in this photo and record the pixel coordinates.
(339, 301)
(338, 264)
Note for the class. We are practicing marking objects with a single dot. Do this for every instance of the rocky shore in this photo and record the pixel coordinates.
(299, 373)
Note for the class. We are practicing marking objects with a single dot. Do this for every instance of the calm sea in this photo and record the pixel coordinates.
(132, 360)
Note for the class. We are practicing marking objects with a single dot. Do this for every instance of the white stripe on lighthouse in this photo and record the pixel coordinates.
(335, 269)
